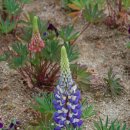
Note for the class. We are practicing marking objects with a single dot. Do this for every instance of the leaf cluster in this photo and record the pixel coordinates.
(45, 107)
(87, 110)
(42, 69)
(10, 14)
(113, 83)
(90, 10)
(115, 125)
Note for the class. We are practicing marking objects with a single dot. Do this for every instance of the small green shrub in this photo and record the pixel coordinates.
(44, 105)
(87, 110)
(89, 10)
(41, 68)
(113, 83)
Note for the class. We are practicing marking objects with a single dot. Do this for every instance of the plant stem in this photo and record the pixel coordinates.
(82, 31)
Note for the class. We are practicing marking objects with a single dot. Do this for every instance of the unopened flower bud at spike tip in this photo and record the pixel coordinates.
(64, 60)
(35, 24)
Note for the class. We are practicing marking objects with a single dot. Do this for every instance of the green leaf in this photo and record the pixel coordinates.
(88, 112)
(6, 26)
(44, 103)
(92, 13)
(5, 56)
(12, 6)
(72, 52)
(81, 76)
(67, 33)
(19, 58)
(113, 83)
(52, 51)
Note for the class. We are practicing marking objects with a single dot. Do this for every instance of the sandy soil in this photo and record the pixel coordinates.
(100, 48)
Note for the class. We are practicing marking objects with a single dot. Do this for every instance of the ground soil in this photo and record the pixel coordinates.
(100, 48)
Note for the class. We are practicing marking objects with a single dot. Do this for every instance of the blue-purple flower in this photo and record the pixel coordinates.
(67, 97)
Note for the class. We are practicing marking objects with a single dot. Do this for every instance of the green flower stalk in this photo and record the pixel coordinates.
(37, 43)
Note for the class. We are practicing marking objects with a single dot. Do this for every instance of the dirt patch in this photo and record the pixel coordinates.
(100, 48)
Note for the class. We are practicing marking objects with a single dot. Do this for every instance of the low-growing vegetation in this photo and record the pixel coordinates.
(48, 61)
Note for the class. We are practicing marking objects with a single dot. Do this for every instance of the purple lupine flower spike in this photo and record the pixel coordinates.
(67, 97)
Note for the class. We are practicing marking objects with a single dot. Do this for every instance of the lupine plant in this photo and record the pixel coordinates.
(67, 97)
(113, 84)
(64, 108)
(93, 11)
(37, 59)
(89, 10)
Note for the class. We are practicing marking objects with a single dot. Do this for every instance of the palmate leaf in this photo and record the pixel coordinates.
(19, 58)
(87, 110)
(68, 34)
(5, 56)
(72, 52)
(12, 7)
(82, 77)
(52, 51)
(6, 26)
(45, 107)
(20, 48)
(113, 83)
(91, 10)
(92, 13)
(17, 62)
(44, 103)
